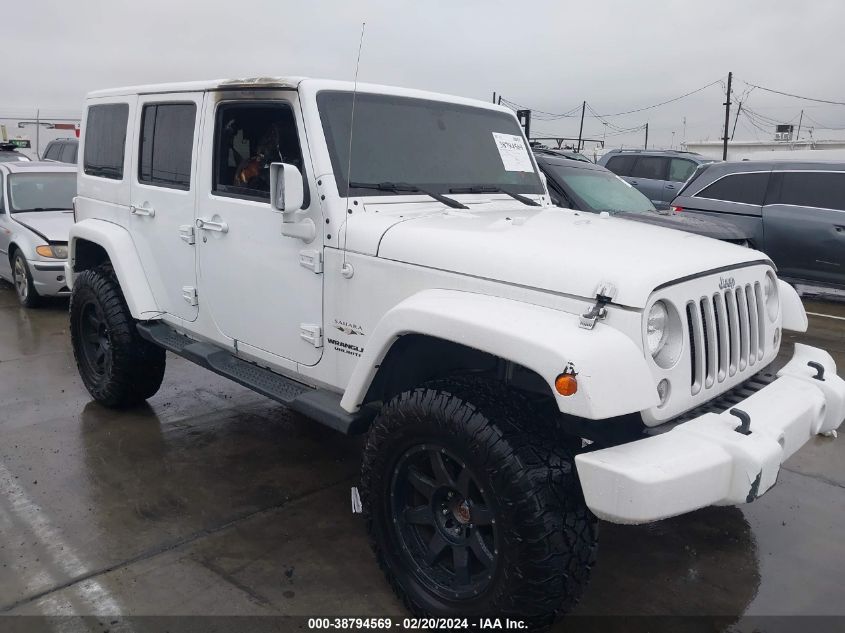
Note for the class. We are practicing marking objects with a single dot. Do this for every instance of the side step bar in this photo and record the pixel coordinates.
(320, 404)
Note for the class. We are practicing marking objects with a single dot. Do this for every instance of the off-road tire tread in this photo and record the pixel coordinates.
(532, 470)
(137, 365)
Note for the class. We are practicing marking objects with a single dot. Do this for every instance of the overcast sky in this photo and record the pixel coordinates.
(618, 55)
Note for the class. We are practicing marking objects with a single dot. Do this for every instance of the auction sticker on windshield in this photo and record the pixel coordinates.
(513, 152)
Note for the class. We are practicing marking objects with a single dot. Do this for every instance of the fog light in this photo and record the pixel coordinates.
(663, 391)
(566, 384)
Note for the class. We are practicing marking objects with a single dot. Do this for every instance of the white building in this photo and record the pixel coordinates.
(804, 149)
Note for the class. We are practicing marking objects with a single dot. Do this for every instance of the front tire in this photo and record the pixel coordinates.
(473, 505)
(24, 287)
(117, 366)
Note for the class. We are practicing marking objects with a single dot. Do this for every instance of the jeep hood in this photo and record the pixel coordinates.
(558, 250)
(50, 225)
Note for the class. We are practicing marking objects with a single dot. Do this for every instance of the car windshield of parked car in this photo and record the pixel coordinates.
(41, 192)
(602, 191)
(432, 145)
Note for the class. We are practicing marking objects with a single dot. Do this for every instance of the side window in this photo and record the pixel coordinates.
(621, 165)
(247, 138)
(166, 146)
(680, 169)
(825, 190)
(651, 167)
(105, 140)
(52, 152)
(744, 188)
(68, 153)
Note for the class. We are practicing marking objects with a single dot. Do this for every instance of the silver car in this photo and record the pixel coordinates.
(36, 213)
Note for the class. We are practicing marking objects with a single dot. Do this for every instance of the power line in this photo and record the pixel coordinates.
(662, 103)
(789, 94)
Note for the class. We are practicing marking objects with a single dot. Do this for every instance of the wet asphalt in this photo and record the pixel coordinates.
(214, 500)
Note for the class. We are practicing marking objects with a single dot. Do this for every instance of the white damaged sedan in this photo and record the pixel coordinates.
(36, 213)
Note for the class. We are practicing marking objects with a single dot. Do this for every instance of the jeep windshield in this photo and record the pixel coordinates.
(45, 191)
(431, 146)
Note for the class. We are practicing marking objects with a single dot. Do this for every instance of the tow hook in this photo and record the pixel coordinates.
(819, 370)
(744, 419)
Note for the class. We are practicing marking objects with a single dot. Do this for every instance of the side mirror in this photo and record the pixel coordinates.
(287, 196)
(286, 192)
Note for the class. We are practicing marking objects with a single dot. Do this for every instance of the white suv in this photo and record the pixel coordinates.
(388, 261)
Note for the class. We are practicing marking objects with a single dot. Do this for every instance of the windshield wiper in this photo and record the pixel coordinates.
(399, 187)
(494, 189)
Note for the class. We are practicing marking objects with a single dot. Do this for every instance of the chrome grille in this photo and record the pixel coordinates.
(726, 334)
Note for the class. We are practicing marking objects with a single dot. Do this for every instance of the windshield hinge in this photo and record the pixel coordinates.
(604, 295)
(312, 260)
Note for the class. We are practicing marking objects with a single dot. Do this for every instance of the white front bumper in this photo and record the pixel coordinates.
(706, 461)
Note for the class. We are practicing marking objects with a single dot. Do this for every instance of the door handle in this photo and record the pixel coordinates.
(670, 186)
(209, 225)
(634, 182)
(838, 228)
(147, 211)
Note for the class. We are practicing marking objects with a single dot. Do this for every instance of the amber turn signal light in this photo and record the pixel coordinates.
(566, 384)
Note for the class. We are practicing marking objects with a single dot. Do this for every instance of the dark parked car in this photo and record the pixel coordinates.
(659, 174)
(62, 150)
(585, 186)
(9, 153)
(792, 211)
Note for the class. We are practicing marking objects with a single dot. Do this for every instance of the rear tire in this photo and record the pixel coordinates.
(22, 279)
(117, 366)
(468, 463)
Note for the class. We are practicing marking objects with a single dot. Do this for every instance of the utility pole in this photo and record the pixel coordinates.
(736, 120)
(727, 105)
(800, 119)
(672, 146)
(494, 96)
(646, 137)
(604, 137)
(581, 129)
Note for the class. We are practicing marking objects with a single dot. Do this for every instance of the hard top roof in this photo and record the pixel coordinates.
(563, 161)
(37, 166)
(290, 83)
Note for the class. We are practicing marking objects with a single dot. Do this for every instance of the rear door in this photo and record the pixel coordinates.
(162, 194)
(649, 175)
(680, 170)
(804, 225)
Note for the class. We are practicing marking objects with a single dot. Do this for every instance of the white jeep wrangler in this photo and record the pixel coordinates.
(387, 261)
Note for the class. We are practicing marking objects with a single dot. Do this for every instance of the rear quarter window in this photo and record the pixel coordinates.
(824, 190)
(105, 140)
(742, 188)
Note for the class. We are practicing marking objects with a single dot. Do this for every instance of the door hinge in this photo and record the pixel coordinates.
(312, 260)
(311, 333)
(189, 294)
(186, 234)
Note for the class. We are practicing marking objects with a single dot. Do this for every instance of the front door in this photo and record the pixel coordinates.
(804, 225)
(162, 193)
(680, 170)
(649, 176)
(252, 284)
(5, 232)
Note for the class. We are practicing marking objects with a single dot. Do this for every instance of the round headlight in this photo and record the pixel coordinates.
(770, 294)
(656, 328)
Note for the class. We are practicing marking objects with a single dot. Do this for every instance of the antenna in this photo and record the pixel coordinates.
(346, 269)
